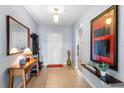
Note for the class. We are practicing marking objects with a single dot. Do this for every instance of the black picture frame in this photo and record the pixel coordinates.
(115, 63)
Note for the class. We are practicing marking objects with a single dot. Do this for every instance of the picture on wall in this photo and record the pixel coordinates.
(104, 37)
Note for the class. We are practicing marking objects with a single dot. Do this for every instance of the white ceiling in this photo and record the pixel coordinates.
(71, 14)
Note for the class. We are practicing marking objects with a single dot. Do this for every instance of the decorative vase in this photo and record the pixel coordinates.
(103, 73)
(68, 60)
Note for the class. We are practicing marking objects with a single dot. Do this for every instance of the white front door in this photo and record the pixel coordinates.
(55, 48)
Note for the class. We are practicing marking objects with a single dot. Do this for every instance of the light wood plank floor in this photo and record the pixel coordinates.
(64, 77)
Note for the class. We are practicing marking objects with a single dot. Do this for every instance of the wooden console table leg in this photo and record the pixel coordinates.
(11, 79)
(37, 67)
(24, 78)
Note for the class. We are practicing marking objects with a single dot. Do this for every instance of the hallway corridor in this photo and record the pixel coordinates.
(65, 77)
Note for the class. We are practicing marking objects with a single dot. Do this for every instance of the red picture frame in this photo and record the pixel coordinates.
(104, 37)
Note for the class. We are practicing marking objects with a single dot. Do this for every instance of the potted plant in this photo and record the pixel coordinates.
(103, 67)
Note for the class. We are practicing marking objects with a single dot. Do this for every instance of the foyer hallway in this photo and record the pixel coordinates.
(64, 77)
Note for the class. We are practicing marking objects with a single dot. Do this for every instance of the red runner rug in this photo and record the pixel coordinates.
(54, 65)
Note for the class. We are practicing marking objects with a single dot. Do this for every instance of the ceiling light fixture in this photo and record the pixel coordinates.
(56, 15)
(52, 8)
(56, 11)
(56, 18)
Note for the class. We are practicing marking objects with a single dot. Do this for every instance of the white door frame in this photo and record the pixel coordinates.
(77, 42)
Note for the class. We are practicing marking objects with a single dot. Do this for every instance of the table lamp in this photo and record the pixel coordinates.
(27, 52)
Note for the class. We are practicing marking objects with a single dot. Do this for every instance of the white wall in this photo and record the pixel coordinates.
(19, 13)
(85, 20)
(67, 35)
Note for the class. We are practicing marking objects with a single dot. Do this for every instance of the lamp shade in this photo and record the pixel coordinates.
(27, 51)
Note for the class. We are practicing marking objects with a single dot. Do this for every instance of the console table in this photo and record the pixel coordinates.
(18, 70)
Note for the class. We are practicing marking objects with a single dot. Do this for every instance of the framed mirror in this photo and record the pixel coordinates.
(18, 36)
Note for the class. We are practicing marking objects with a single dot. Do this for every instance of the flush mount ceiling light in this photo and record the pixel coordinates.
(56, 11)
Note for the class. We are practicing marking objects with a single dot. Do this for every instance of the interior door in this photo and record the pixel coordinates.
(55, 48)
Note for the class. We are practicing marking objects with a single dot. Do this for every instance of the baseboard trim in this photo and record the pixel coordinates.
(87, 79)
(57, 63)
(74, 66)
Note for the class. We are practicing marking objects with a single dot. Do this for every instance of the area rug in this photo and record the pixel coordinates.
(54, 65)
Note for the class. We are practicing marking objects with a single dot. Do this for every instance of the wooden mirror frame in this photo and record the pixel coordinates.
(8, 34)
